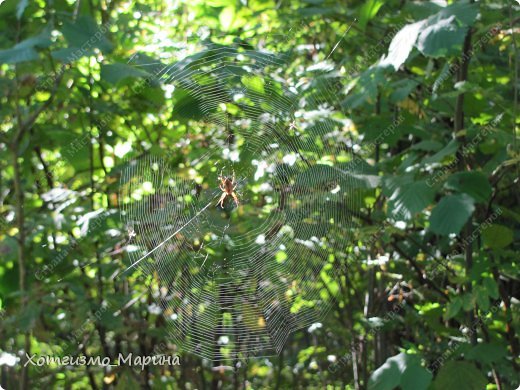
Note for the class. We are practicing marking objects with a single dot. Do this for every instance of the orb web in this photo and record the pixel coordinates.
(234, 281)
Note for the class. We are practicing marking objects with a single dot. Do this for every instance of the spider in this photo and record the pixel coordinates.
(227, 186)
(131, 233)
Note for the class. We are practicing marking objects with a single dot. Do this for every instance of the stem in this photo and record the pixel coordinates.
(515, 82)
(457, 128)
(20, 224)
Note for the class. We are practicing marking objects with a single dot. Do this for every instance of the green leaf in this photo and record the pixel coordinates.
(402, 45)
(443, 33)
(410, 199)
(450, 215)
(187, 106)
(481, 296)
(26, 50)
(416, 377)
(467, 302)
(491, 287)
(388, 376)
(453, 307)
(70, 54)
(368, 11)
(114, 73)
(448, 150)
(17, 55)
(403, 88)
(20, 7)
(85, 34)
(403, 370)
(367, 84)
(487, 353)
(27, 318)
(227, 17)
(475, 184)
(422, 9)
(441, 39)
(254, 83)
(313, 11)
(427, 145)
(457, 375)
(497, 236)
(465, 12)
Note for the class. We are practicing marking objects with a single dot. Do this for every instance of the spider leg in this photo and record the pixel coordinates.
(235, 198)
(233, 180)
(221, 200)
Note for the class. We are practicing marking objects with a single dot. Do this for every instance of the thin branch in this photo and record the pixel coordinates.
(27, 124)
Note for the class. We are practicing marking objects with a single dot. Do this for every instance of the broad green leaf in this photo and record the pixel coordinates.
(451, 214)
(465, 11)
(153, 66)
(487, 353)
(113, 73)
(475, 184)
(17, 55)
(402, 45)
(453, 307)
(497, 236)
(410, 199)
(26, 50)
(468, 302)
(427, 145)
(42, 40)
(367, 86)
(457, 375)
(415, 377)
(254, 83)
(448, 150)
(481, 296)
(186, 106)
(403, 88)
(313, 11)
(403, 370)
(392, 184)
(442, 38)
(20, 7)
(368, 11)
(85, 34)
(444, 74)
(444, 32)
(71, 54)
(388, 376)
(422, 9)
(491, 287)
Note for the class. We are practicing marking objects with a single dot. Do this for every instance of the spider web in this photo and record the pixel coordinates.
(235, 282)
